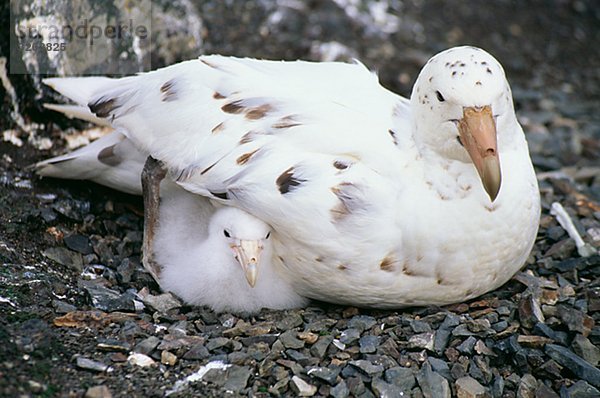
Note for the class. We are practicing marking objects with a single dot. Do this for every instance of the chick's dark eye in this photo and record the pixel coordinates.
(226, 233)
(440, 97)
(268, 235)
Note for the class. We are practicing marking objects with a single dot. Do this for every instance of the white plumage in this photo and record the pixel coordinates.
(197, 260)
(198, 263)
(111, 160)
(375, 200)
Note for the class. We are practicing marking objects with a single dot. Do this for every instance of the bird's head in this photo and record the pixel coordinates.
(246, 236)
(461, 103)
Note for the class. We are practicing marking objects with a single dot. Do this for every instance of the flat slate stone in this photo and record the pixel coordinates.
(368, 344)
(328, 375)
(468, 387)
(237, 378)
(302, 388)
(367, 367)
(109, 300)
(349, 336)
(64, 256)
(574, 363)
(340, 390)
(79, 243)
(383, 389)
(403, 378)
(433, 384)
(581, 389)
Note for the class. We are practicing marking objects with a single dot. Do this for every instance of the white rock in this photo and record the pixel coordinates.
(140, 360)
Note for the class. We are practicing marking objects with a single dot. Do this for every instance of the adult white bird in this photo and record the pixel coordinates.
(209, 255)
(374, 200)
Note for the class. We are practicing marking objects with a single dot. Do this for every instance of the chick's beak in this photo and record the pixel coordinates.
(477, 130)
(247, 253)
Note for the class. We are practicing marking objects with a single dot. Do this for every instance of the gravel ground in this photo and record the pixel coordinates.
(79, 316)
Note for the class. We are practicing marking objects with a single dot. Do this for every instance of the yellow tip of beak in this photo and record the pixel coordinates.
(491, 176)
(251, 274)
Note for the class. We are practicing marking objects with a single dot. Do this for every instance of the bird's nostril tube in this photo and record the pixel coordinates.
(490, 152)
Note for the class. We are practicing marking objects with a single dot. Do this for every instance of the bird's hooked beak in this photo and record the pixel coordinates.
(247, 253)
(477, 130)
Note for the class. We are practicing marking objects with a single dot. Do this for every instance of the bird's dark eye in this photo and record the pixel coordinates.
(440, 97)
(226, 233)
(268, 235)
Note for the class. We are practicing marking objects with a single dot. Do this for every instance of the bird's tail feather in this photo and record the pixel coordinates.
(77, 112)
(112, 161)
(79, 89)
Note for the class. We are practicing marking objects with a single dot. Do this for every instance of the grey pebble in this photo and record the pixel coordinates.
(349, 336)
(291, 321)
(432, 384)
(368, 344)
(402, 378)
(89, 364)
(147, 345)
(422, 340)
(419, 326)
(466, 347)
(327, 374)
(265, 338)
(71, 208)
(581, 389)
(62, 307)
(385, 390)
(78, 243)
(216, 343)
(100, 391)
(301, 388)
(527, 386)
(109, 300)
(65, 257)
(340, 390)
(319, 348)
(197, 352)
(583, 347)
(361, 322)
(440, 366)
(367, 367)
(574, 363)
(468, 387)
(290, 340)
(237, 378)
